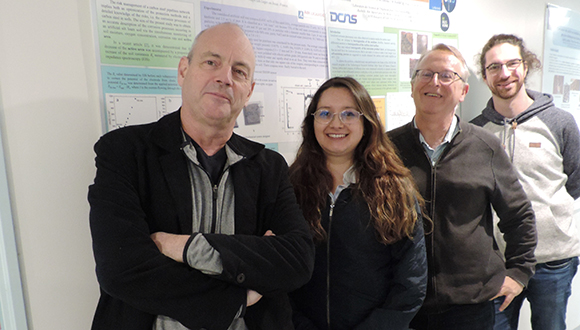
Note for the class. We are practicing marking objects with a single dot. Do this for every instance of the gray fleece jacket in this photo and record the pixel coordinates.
(543, 144)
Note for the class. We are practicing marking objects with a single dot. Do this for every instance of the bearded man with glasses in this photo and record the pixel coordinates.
(462, 173)
(543, 144)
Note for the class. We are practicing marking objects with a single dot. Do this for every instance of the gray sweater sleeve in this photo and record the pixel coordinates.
(199, 254)
(571, 155)
(564, 128)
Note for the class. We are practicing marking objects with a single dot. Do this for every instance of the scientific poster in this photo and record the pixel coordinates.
(561, 68)
(140, 44)
(290, 47)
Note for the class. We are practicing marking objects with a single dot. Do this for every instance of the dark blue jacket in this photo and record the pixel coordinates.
(359, 283)
(142, 186)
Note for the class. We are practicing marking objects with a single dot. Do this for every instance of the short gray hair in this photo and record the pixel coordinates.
(445, 48)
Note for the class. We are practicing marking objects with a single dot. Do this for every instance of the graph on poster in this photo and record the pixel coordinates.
(296, 101)
(125, 109)
(294, 95)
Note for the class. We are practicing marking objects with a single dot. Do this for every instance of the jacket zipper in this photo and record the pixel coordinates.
(432, 212)
(214, 192)
(433, 192)
(214, 195)
(432, 252)
(328, 266)
(214, 206)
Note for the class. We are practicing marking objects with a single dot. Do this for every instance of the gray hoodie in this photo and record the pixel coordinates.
(543, 144)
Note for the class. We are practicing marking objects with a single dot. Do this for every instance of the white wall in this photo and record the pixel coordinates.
(50, 119)
(49, 122)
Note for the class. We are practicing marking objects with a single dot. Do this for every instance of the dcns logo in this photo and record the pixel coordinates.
(342, 18)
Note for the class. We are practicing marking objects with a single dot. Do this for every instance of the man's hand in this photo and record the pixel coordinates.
(171, 245)
(253, 297)
(510, 289)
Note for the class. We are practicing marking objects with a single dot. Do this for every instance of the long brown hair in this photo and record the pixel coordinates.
(383, 181)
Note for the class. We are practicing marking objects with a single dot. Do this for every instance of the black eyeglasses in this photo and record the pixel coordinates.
(348, 117)
(445, 77)
(511, 65)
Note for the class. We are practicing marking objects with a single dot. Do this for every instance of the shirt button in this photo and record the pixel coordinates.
(241, 278)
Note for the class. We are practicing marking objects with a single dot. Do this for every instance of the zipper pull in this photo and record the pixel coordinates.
(331, 210)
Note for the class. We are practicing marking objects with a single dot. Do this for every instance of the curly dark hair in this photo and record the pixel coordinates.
(383, 181)
(531, 61)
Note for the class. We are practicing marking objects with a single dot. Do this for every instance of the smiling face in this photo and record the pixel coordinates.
(505, 84)
(335, 138)
(433, 98)
(217, 81)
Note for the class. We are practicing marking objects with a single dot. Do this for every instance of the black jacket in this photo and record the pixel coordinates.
(142, 186)
(359, 283)
(472, 176)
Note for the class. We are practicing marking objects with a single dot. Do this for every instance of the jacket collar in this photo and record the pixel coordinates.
(456, 138)
(167, 134)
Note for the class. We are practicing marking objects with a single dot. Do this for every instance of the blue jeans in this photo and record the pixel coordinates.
(548, 292)
(459, 317)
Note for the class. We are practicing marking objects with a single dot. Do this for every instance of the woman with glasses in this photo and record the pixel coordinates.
(364, 214)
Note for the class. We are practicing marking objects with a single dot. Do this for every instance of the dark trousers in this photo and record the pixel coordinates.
(458, 317)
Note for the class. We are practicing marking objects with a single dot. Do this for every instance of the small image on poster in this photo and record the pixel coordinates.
(449, 5)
